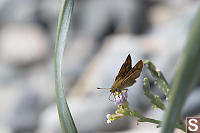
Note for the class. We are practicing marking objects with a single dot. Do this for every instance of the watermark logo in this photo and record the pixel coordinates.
(193, 124)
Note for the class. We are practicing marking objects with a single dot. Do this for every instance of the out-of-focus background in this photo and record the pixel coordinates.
(103, 33)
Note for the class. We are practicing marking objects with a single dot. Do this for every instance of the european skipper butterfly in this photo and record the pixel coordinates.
(126, 77)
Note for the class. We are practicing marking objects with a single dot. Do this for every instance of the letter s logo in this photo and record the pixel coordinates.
(193, 123)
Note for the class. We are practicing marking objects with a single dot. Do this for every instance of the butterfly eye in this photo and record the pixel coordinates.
(112, 91)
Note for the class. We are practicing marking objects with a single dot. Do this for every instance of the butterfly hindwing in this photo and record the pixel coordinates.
(125, 68)
(138, 66)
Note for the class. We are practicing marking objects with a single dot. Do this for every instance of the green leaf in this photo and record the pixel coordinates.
(160, 80)
(185, 77)
(66, 120)
(154, 99)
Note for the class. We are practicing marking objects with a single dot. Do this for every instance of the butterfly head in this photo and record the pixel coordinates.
(112, 90)
(115, 90)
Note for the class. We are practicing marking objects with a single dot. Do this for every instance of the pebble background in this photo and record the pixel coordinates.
(102, 34)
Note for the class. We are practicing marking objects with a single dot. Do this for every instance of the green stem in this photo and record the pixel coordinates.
(145, 119)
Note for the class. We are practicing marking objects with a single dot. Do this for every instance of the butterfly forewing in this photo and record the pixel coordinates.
(133, 74)
(125, 68)
(138, 67)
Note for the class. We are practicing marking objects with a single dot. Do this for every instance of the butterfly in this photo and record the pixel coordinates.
(126, 77)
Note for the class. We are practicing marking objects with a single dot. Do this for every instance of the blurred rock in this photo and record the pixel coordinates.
(17, 11)
(4, 128)
(41, 12)
(27, 82)
(76, 58)
(142, 128)
(25, 117)
(49, 120)
(9, 74)
(172, 36)
(47, 16)
(23, 44)
(122, 16)
(40, 79)
(9, 95)
(192, 105)
(168, 11)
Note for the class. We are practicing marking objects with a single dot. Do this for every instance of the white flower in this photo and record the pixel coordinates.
(108, 121)
(108, 118)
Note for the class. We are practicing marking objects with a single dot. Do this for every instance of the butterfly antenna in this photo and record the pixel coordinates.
(103, 88)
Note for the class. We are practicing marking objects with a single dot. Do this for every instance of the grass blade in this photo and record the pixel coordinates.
(185, 78)
(66, 120)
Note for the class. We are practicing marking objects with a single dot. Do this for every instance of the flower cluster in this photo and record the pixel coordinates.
(122, 104)
(120, 98)
(111, 118)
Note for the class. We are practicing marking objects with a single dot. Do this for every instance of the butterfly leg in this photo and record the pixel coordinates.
(110, 97)
(125, 90)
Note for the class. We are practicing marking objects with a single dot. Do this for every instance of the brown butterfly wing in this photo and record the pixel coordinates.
(125, 68)
(133, 74)
(138, 67)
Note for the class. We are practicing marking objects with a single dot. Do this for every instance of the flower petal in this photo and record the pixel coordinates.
(108, 116)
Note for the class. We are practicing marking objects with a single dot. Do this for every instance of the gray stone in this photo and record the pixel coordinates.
(192, 105)
(76, 58)
(9, 74)
(9, 95)
(25, 116)
(47, 16)
(5, 128)
(23, 44)
(41, 80)
(17, 11)
(122, 16)
(49, 120)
